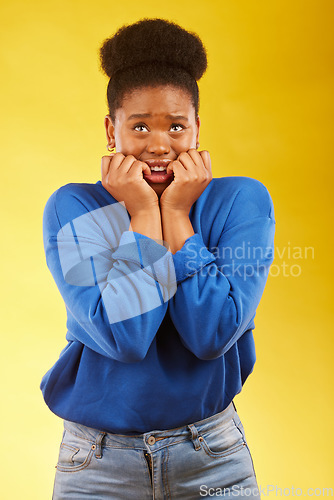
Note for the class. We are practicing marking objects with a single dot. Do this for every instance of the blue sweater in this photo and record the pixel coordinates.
(155, 340)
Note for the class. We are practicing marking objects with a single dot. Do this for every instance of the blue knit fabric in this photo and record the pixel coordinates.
(155, 340)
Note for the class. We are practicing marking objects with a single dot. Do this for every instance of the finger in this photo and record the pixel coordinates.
(176, 168)
(140, 166)
(170, 167)
(196, 157)
(206, 159)
(117, 160)
(127, 164)
(186, 160)
(145, 168)
(105, 164)
(112, 161)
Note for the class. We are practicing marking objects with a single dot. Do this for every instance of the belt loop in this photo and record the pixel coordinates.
(194, 436)
(98, 444)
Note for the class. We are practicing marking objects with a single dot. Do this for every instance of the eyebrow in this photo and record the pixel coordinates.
(147, 115)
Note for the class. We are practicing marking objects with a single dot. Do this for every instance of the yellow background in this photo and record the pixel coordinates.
(267, 112)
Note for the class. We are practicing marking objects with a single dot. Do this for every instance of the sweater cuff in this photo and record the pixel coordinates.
(149, 254)
(191, 258)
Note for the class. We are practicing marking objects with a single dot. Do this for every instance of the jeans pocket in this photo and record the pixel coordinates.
(223, 440)
(75, 454)
(239, 426)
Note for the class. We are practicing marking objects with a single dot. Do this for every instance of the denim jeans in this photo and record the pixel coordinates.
(208, 458)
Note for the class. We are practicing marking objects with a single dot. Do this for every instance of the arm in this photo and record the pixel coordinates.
(114, 282)
(147, 223)
(177, 228)
(192, 174)
(218, 292)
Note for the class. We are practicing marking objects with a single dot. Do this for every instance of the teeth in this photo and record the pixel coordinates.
(158, 169)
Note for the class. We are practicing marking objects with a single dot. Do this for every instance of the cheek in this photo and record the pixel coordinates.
(127, 145)
(189, 137)
(185, 143)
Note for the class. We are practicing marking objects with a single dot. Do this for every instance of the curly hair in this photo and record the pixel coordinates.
(152, 52)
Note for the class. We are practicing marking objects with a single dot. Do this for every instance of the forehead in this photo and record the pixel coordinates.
(161, 100)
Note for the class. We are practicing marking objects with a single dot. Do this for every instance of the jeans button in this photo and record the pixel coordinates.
(151, 440)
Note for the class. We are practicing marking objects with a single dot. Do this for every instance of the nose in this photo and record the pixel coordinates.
(158, 143)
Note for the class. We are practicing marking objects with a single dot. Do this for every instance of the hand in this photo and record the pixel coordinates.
(122, 177)
(192, 174)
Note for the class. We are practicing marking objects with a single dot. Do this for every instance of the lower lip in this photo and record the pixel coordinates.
(158, 177)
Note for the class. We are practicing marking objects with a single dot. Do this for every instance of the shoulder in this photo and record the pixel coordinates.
(74, 199)
(233, 185)
(244, 194)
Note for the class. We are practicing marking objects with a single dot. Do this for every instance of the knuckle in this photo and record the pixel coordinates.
(183, 154)
(119, 157)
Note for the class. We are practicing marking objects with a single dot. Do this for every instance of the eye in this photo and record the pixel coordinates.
(140, 126)
(177, 125)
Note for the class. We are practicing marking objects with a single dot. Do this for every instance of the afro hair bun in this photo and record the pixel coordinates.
(153, 41)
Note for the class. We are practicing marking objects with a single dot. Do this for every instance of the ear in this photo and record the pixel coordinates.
(110, 131)
(198, 124)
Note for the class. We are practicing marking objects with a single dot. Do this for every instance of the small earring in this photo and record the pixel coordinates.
(197, 145)
(112, 150)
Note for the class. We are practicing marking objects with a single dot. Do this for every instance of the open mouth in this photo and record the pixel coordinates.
(158, 176)
(158, 171)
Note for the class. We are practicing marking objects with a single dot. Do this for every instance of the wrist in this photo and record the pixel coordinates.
(179, 212)
(146, 212)
(177, 228)
(148, 223)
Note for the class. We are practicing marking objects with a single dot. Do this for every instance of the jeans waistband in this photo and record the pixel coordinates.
(152, 440)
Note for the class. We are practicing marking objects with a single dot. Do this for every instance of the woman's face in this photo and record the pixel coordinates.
(154, 123)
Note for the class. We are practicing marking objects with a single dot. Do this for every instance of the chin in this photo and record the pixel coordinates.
(158, 188)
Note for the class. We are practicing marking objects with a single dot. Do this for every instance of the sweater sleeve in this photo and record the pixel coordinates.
(115, 283)
(219, 289)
